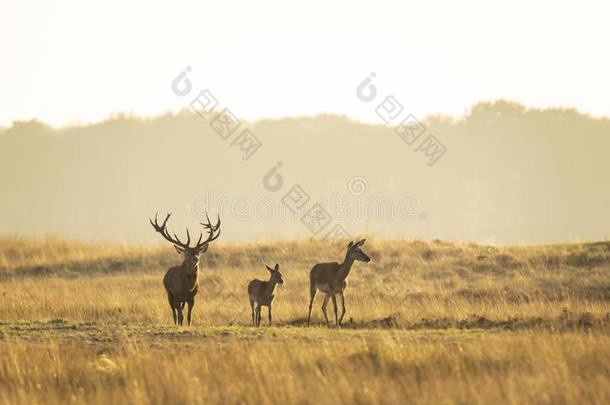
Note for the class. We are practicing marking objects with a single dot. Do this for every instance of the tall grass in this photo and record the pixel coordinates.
(434, 322)
(499, 368)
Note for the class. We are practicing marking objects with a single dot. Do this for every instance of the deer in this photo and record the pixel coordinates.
(261, 293)
(331, 279)
(182, 282)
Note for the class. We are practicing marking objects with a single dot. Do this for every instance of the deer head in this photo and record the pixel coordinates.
(190, 253)
(276, 276)
(354, 252)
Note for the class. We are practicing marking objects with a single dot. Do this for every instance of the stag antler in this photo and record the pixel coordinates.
(211, 229)
(162, 229)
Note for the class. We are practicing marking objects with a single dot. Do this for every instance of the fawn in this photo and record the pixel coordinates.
(261, 293)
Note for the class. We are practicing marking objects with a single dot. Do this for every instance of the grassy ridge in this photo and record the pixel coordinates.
(417, 283)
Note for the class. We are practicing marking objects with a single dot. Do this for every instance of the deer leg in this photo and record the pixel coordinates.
(171, 304)
(312, 294)
(258, 315)
(269, 314)
(252, 308)
(324, 305)
(334, 297)
(342, 297)
(178, 306)
(191, 303)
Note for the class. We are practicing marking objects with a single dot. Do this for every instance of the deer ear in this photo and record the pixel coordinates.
(179, 250)
(277, 266)
(204, 248)
(361, 242)
(268, 268)
(350, 245)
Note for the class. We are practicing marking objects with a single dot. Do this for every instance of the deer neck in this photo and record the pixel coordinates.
(344, 268)
(270, 288)
(187, 270)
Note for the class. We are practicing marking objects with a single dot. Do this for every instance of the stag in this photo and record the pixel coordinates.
(181, 282)
(261, 293)
(331, 279)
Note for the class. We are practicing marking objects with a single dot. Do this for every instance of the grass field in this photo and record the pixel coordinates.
(434, 322)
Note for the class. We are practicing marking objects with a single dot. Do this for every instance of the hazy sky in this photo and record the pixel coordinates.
(79, 61)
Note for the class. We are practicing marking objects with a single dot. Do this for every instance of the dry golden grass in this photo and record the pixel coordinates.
(430, 322)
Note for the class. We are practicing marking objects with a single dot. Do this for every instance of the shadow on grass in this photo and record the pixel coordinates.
(566, 321)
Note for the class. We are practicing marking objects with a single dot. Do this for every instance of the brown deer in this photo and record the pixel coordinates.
(261, 293)
(181, 282)
(331, 279)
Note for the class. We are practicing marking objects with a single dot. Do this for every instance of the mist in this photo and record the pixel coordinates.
(507, 175)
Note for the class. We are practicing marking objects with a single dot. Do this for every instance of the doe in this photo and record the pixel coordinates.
(331, 279)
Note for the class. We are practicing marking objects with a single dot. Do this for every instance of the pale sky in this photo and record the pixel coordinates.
(65, 62)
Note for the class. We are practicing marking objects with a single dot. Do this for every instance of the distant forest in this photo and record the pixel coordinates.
(509, 175)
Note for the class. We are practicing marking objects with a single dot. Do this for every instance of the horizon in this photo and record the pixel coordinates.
(126, 115)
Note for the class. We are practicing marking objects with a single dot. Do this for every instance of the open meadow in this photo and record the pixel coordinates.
(180, 181)
(427, 322)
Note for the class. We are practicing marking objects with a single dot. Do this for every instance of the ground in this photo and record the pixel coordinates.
(435, 322)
